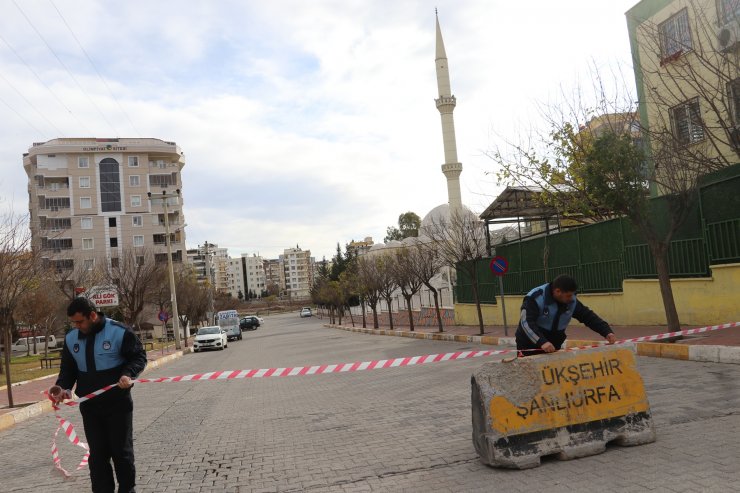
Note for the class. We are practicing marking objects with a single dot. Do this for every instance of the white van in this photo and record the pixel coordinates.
(22, 344)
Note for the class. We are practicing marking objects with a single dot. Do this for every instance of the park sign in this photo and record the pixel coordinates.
(103, 296)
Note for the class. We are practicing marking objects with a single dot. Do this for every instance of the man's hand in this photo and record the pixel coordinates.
(548, 347)
(58, 395)
(125, 382)
(611, 338)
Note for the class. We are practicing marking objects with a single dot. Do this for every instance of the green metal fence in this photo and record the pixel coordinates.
(600, 256)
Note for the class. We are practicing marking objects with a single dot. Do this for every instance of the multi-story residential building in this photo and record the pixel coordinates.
(254, 274)
(236, 284)
(88, 198)
(688, 85)
(298, 266)
(274, 276)
(218, 264)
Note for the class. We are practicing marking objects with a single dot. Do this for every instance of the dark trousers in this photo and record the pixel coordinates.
(110, 436)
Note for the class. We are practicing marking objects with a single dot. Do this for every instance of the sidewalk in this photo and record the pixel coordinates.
(32, 391)
(723, 337)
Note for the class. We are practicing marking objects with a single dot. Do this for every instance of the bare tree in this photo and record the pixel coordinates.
(459, 240)
(405, 276)
(42, 309)
(192, 297)
(425, 262)
(368, 278)
(385, 264)
(19, 275)
(74, 272)
(138, 277)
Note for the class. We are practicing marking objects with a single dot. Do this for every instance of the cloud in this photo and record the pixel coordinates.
(302, 122)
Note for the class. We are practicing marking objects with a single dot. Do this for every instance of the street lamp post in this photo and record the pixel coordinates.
(175, 315)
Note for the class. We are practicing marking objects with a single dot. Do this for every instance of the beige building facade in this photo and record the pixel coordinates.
(88, 198)
(298, 266)
(687, 74)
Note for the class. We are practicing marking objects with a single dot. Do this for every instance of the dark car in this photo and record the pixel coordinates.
(249, 323)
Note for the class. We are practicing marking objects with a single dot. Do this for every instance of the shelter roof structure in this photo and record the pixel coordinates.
(520, 202)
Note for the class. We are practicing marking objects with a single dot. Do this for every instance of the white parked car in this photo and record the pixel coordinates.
(22, 345)
(306, 312)
(212, 337)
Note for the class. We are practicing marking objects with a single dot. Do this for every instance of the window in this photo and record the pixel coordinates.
(137, 221)
(110, 186)
(114, 242)
(136, 201)
(114, 262)
(140, 258)
(82, 162)
(727, 10)
(139, 241)
(133, 181)
(112, 222)
(86, 223)
(687, 124)
(133, 161)
(88, 244)
(89, 263)
(85, 203)
(84, 182)
(675, 35)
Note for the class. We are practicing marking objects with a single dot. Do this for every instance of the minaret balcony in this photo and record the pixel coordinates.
(448, 102)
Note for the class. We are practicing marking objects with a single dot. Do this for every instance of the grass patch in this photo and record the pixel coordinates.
(27, 368)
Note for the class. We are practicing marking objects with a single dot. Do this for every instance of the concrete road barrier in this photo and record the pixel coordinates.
(567, 404)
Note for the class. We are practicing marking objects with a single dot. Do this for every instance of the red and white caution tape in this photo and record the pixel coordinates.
(335, 368)
(71, 434)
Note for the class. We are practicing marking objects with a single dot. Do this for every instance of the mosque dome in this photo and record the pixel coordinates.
(441, 214)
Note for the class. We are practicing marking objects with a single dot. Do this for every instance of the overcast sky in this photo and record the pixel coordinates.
(302, 122)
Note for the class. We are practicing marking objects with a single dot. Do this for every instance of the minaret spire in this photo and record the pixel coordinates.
(446, 105)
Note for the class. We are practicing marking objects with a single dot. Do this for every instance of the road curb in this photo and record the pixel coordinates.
(701, 353)
(8, 420)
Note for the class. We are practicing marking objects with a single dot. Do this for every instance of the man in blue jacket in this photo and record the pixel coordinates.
(546, 312)
(100, 352)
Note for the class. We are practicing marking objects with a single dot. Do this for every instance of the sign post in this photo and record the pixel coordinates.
(499, 267)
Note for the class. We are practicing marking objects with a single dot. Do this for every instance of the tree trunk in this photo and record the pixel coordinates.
(6, 334)
(411, 315)
(375, 317)
(340, 312)
(390, 312)
(477, 304)
(364, 322)
(436, 308)
(660, 253)
(352, 318)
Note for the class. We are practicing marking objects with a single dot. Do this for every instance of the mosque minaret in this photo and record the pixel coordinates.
(446, 105)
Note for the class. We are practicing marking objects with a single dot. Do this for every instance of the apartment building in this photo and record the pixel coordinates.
(254, 274)
(88, 199)
(298, 266)
(274, 276)
(688, 84)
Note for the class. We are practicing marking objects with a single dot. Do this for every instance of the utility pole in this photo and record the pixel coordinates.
(175, 315)
(209, 314)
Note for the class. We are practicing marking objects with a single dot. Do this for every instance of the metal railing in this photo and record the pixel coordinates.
(723, 239)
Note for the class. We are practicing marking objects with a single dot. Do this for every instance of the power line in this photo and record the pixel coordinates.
(46, 86)
(95, 67)
(39, 132)
(59, 132)
(38, 33)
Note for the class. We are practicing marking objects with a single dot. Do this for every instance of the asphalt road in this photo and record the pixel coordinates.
(401, 429)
